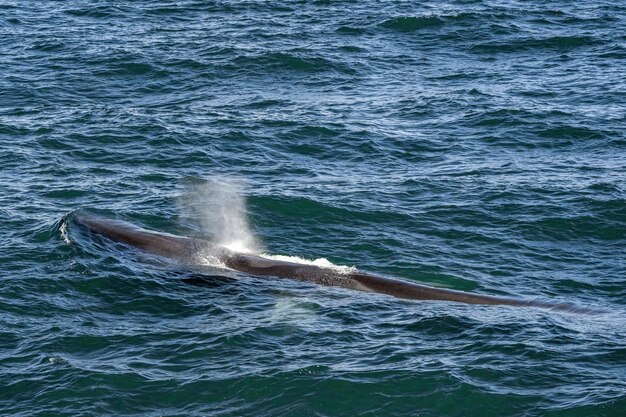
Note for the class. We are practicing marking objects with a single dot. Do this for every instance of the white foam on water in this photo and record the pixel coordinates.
(64, 235)
(208, 259)
(55, 360)
(321, 262)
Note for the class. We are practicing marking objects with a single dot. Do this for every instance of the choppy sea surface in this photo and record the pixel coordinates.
(472, 145)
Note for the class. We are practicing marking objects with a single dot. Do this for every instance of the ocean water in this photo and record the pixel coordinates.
(474, 145)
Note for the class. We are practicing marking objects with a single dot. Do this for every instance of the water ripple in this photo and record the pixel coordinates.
(467, 145)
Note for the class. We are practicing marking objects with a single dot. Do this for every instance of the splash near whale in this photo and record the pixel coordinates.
(193, 251)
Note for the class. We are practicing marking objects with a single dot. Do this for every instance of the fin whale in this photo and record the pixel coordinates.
(193, 251)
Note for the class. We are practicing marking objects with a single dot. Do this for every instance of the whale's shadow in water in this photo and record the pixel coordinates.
(209, 281)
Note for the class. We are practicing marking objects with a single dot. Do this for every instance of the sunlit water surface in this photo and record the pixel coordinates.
(472, 145)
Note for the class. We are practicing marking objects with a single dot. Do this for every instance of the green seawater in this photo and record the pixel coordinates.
(474, 145)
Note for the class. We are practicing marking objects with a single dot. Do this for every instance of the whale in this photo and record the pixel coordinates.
(193, 251)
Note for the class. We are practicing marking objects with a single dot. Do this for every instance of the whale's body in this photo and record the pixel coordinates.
(195, 252)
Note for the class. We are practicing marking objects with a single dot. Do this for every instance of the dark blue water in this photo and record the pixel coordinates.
(472, 145)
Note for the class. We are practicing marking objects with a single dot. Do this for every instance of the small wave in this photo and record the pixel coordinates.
(554, 42)
(130, 68)
(350, 30)
(615, 51)
(572, 132)
(321, 262)
(179, 10)
(48, 46)
(187, 63)
(262, 103)
(500, 117)
(351, 49)
(99, 12)
(412, 23)
(291, 62)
